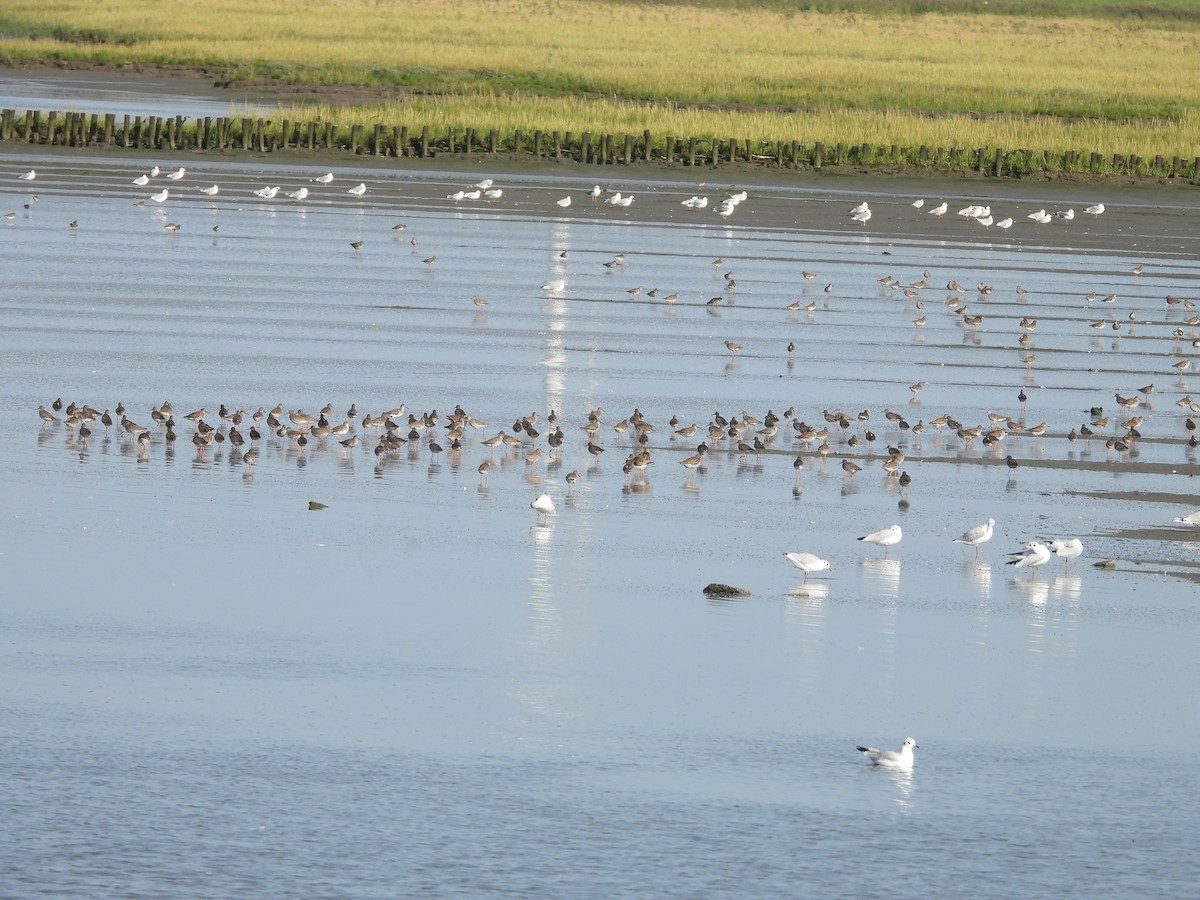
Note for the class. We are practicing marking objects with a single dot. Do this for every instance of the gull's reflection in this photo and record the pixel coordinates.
(1037, 593)
(1066, 587)
(813, 593)
(885, 573)
(905, 782)
(979, 573)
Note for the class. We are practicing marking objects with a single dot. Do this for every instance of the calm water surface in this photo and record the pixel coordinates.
(210, 690)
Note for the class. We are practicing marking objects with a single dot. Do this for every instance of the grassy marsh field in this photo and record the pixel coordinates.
(1071, 74)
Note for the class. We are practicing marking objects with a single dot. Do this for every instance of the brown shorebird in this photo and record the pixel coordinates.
(732, 348)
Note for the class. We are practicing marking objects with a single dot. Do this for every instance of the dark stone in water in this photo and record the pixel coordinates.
(724, 591)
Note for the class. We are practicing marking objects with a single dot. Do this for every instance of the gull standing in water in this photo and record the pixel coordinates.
(1189, 519)
(177, 174)
(807, 562)
(142, 180)
(892, 759)
(324, 179)
(267, 193)
(973, 537)
(161, 196)
(1030, 556)
(299, 195)
(886, 538)
(28, 176)
(211, 191)
(543, 505)
(1068, 548)
(358, 190)
(557, 286)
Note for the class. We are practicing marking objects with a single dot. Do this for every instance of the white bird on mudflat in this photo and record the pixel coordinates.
(1067, 548)
(695, 202)
(1189, 519)
(142, 180)
(985, 221)
(973, 537)
(861, 208)
(892, 759)
(324, 179)
(543, 505)
(485, 184)
(626, 200)
(886, 538)
(267, 193)
(456, 196)
(211, 191)
(862, 218)
(1095, 210)
(472, 195)
(565, 201)
(1042, 218)
(614, 200)
(917, 204)
(161, 196)
(940, 211)
(971, 212)
(738, 197)
(1065, 214)
(358, 190)
(1005, 224)
(557, 286)
(177, 174)
(299, 195)
(1030, 556)
(493, 193)
(1037, 215)
(154, 170)
(725, 208)
(596, 191)
(807, 562)
(28, 176)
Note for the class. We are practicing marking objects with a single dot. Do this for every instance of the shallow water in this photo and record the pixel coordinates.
(94, 92)
(212, 690)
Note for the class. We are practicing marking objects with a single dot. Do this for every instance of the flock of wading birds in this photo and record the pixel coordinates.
(394, 430)
(390, 425)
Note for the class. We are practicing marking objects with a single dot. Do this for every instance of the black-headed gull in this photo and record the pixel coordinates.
(892, 759)
(807, 562)
(543, 505)
(1067, 548)
(973, 537)
(267, 193)
(885, 538)
(1031, 556)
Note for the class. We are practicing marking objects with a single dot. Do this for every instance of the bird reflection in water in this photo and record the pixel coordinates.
(1066, 587)
(814, 592)
(979, 573)
(884, 574)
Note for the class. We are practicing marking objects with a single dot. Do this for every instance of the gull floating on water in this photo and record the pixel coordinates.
(886, 538)
(358, 190)
(892, 759)
(807, 562)
(1030, 556)
(973, 537)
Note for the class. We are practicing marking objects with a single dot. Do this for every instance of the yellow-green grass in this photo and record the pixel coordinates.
(884, 77)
